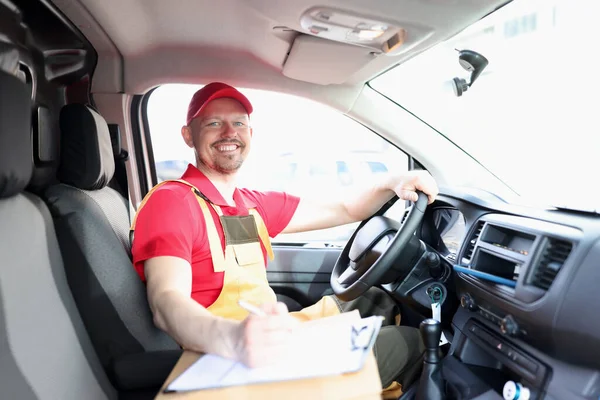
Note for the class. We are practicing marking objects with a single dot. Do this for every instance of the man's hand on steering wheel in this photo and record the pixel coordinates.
(407, 184)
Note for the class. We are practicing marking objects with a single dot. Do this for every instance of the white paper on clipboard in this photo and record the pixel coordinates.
(329, 346)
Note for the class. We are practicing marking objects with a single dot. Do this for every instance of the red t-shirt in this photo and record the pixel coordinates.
(172, 224)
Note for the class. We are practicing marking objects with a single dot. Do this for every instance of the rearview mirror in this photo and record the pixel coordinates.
(474, 63)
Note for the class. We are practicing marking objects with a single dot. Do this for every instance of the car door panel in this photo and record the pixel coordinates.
(300, 275)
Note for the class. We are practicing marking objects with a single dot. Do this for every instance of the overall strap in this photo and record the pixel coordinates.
(143, 203)
(214, 241)
(260, 224)
(263, 233)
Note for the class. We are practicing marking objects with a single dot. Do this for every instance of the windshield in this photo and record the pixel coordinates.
(532, 117)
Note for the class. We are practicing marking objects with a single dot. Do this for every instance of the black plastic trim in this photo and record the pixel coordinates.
(148, 136)
(89, 59)
(136, 103)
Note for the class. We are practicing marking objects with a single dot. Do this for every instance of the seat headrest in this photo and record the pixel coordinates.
(16, 161)
(86, 155)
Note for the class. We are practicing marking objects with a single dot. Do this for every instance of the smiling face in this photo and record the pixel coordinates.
(220, 136)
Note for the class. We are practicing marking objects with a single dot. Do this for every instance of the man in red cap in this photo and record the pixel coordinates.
(201, 245)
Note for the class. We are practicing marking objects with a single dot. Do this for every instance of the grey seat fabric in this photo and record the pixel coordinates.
(92, 225)
(45, 352)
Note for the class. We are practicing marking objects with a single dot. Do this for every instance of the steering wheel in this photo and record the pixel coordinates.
(372, 250)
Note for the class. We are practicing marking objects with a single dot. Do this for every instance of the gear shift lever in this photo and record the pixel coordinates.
(431, 332)
(431, 385)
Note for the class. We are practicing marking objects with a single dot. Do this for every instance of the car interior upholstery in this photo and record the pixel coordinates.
(76, 159)
(41, 331)
(92, 224)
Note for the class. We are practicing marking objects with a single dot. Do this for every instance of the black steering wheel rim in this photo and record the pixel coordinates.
(360, 281)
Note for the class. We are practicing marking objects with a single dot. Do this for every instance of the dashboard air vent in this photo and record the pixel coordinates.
(553, 257)
(473, 240)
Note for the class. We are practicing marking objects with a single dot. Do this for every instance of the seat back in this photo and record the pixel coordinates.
(45, 352)
(92, 225)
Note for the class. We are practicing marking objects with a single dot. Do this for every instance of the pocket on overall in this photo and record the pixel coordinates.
(242, 235)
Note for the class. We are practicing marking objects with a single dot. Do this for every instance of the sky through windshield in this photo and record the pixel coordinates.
(531, 117)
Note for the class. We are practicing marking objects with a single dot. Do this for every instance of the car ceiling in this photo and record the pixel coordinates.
(145, 43)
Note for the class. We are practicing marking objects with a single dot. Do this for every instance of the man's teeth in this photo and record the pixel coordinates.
(230, 147)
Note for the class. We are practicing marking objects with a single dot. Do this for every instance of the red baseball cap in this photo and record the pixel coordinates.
(213, 91)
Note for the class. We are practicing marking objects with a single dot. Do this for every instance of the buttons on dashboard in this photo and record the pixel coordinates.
(509, 352)
(525, 362)
(505, 349)
(509, 326)
(490, 316)
(466, 301)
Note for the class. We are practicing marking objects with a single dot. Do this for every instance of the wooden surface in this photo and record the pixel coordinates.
(364, 384)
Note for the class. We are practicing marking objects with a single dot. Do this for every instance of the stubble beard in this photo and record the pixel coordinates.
(228, 164)
(225, 165)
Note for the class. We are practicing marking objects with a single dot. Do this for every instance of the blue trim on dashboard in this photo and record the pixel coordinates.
(486, 276)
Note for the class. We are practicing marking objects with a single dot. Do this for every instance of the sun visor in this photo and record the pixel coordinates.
(324, 62)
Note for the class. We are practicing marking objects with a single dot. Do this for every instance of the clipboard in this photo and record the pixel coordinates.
(344, 349)
(357, 337)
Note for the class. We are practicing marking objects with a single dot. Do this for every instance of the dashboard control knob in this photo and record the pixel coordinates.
(466, 301)
(515, 391)
(432, 260)
(509, 326)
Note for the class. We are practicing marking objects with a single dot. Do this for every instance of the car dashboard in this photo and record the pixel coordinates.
(527, 284)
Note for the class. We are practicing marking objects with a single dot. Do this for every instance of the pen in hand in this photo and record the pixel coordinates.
(266, 335)
(252, 309)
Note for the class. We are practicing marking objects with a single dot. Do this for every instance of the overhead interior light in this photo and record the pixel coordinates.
(347, 27)
(365, 34)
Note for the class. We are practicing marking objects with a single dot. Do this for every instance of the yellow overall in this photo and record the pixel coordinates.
(242, 262)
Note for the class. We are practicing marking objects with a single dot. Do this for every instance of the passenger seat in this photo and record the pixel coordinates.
(92, 224)
(45, 352)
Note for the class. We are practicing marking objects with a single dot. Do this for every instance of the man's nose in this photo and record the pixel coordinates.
(230, 130)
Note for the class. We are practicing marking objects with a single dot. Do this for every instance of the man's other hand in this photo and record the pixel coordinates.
(407, 184)
(262, 341)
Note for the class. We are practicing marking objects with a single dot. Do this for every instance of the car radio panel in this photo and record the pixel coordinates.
(498, 254)
(514, 257)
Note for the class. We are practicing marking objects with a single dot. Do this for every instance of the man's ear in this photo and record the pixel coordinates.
(186, 133)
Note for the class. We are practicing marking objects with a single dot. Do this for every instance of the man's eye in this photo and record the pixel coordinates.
(214, 123)
(238, 123)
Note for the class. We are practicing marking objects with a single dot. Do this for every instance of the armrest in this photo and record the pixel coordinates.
(144, 370)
